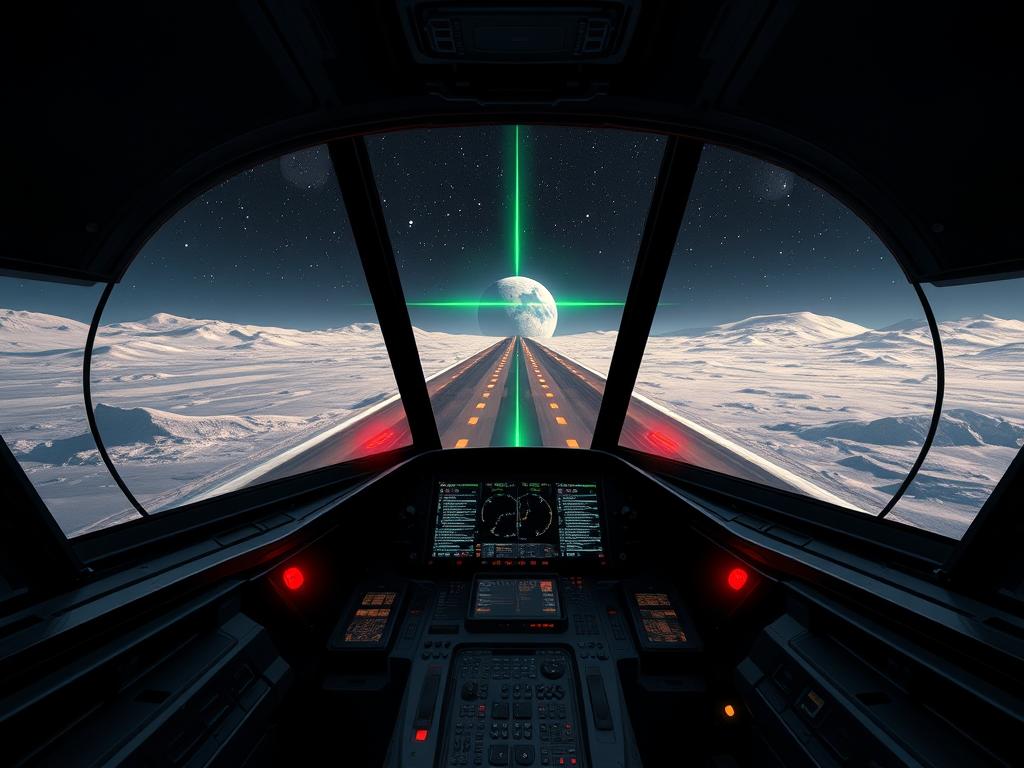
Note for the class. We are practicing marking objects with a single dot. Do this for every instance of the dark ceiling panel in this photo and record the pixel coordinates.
(125, 111)
(122, 94)
(911, 97)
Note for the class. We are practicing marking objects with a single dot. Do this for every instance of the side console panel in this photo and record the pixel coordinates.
(817, 704)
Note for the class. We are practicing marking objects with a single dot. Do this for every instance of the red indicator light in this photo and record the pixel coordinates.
(380, 439)
(738, 579)
(662, 441)
(293, 578)
(421, 734)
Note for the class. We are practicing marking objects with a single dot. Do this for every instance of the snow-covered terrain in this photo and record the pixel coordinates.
(846, 407)
(181, 402)
(184, 403)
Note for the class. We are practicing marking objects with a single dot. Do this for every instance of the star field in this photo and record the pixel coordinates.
(756, 239)
(448, 198)
(273, 246)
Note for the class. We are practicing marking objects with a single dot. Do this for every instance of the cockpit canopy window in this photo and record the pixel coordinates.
(516, 245)
(43, 331)
(982, 426)
(789, 349)
(242, 345)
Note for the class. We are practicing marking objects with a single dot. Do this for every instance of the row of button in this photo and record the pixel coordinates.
(591, 650)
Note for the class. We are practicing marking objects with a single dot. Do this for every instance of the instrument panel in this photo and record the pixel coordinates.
(525, 521)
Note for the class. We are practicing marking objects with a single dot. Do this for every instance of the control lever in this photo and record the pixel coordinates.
(599, 701)
(428, 697)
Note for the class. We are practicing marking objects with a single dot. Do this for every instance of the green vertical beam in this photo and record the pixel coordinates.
(515, 233)
(518, 438)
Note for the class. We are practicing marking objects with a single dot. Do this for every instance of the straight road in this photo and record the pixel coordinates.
(517, 392)
(573, 394)
(464, 402)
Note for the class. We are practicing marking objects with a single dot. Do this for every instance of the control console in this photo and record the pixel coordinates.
(513, 707)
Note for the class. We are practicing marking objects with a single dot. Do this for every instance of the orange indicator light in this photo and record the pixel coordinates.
(730, 710)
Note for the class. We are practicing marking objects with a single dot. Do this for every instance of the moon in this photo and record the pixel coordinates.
(773, 183)
(308, 169)
(531, 309)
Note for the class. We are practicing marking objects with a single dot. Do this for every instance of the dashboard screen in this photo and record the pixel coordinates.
(524, 598)
(658, 619)
(370, 619)
(515, 519)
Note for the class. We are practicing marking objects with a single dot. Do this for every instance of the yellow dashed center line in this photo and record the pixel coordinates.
(461, 442)
(481, 406)
(473, 419)
(560, 420)
(553, 406)
(572, 443)
(490, 386)
(549, 394)
(486, 394)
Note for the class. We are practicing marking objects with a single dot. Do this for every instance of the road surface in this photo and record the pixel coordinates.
(518, 392)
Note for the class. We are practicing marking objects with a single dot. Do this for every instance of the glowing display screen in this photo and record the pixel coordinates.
(658, 619)
(517, 520)
(516, 598)
(370, 619)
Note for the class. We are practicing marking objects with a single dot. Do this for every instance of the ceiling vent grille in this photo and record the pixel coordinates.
(594, 36)
(441, 36)
(525, 32)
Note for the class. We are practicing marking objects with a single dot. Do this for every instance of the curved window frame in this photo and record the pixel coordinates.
(641, 304)
(246, 503)
(351, 169)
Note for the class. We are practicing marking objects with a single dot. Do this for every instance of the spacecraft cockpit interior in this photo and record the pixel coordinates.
(602, 383)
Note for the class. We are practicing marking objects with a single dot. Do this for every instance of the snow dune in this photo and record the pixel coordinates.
(184, 400)
(847, 407)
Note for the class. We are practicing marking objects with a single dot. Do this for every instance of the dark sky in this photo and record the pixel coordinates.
(584, 196)
(272, 246)
(758, 240)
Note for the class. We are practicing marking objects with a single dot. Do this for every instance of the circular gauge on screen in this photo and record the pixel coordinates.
(500, 516)
(535, 516)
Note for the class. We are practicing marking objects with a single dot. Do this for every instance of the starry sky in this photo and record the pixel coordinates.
(757, 239)
(272, 245)
(448, 196)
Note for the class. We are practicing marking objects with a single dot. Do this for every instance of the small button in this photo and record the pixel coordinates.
(498, 754)
(524, 754)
